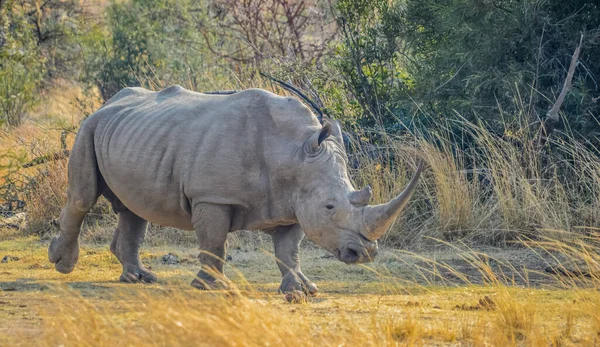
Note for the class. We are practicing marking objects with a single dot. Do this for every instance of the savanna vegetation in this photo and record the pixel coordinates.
(499, 245)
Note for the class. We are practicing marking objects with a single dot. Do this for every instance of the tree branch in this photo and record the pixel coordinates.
(552, 117)
(47, 158)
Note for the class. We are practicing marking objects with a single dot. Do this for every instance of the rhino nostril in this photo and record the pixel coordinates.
(350, 256)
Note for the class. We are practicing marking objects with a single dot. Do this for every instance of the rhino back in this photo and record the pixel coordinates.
(163, 152)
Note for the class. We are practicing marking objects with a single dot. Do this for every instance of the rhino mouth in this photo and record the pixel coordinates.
(359, 250)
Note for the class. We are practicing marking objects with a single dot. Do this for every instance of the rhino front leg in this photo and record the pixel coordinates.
(125, 245)
(287, 241)
(211, 223)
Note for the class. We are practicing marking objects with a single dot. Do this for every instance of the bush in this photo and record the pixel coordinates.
(491, 61)
(151, 44)
(21, 65)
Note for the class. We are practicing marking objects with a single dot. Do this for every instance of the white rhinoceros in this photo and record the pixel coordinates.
(216, 164)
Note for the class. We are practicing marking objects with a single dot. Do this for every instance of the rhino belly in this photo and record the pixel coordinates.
(153, 206)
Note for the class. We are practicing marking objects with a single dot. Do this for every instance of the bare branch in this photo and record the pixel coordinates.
(553, 113)
(552, 117)
(48, 158)
(285, 28)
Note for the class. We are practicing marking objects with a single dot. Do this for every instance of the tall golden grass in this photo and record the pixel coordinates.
(494, 193)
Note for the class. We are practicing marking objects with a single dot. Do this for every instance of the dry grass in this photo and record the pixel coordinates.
(89, 308)
(501, 190)
(42, 187)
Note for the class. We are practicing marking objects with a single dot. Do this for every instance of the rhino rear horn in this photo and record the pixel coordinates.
(361, 197)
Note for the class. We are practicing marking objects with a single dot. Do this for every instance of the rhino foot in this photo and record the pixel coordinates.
(207, 282)
(63, 254)
(295, 281)
(137, 275)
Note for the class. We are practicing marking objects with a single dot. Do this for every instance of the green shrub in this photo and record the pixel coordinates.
(153, 44)
(21, 65)
(497, 62)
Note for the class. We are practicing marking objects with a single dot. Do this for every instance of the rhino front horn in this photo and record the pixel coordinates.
(379, 218)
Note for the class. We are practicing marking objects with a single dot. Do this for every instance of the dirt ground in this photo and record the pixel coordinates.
(440, 296)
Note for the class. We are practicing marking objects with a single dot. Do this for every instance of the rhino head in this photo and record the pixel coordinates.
(330, 211)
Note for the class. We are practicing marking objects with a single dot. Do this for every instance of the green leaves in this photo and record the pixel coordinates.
(21, 65)
(499, 61)
(150, 43)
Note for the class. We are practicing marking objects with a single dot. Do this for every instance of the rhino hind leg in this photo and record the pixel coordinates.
(82, 194)
(287, 241)
(64, 249)
(212, 223)
(125, 245)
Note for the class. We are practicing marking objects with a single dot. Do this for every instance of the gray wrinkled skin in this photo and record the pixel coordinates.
(217, 164)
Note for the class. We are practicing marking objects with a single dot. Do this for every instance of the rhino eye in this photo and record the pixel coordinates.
(329, 207)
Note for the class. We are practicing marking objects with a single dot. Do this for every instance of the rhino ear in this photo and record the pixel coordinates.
(336, 130)
(317, 138)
